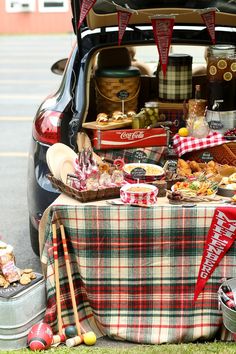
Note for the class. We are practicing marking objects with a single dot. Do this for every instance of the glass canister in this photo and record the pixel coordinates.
(151, 111)
(221, 75)
(176, 85)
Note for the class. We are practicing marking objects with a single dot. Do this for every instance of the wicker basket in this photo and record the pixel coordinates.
(117, 88)
(84, 196)
(223, 154)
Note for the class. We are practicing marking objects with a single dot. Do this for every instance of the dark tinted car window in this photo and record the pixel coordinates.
(103, 6)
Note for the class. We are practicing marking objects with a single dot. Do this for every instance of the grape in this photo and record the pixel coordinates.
(230, 132)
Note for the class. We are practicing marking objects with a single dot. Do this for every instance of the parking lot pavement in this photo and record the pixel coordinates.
(25, 80)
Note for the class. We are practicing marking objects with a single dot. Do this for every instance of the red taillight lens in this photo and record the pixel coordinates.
(47, 127)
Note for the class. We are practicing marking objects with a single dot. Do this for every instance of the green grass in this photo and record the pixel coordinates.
(119, 348)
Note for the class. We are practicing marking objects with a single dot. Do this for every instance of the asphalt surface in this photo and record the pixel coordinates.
(25, 80)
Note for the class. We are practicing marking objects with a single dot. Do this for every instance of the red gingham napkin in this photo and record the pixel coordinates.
(182, 145)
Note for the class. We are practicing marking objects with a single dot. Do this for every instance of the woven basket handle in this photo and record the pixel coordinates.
(112, 100)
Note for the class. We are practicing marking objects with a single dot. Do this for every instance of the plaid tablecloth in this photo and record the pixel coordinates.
(182, 145)
(135, 271)
(154, 154)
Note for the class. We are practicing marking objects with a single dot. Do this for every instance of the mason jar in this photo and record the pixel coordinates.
(151, 111)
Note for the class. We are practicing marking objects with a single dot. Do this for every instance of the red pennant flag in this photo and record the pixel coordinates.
(85, 8)
(163, 28)
(208, 17)
(123, 20)
(221, 236)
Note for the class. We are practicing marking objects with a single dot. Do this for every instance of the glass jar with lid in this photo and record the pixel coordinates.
(151, 111)
(221, 75)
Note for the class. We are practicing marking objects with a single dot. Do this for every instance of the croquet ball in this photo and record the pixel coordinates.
(71, 331)
(89, 338)
(40, 336)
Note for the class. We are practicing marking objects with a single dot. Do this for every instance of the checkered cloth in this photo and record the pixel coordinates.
(135, 270)
(153, 154)
(176, 85)
(183, 145)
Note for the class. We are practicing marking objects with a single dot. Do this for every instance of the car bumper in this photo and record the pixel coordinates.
(40, 193)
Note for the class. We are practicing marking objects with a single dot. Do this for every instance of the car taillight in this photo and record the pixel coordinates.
(47, 127)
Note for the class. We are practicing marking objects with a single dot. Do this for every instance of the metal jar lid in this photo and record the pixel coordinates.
(151, 104)
(179, 59)
(222, 50)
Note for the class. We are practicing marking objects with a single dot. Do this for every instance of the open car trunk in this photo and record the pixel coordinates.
(104, 13)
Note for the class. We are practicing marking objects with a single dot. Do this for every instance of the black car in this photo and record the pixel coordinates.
(60, 117)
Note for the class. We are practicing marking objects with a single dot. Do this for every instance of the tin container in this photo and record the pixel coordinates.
(19, 313)
(128, 138)
(229, 315)
(176, 85)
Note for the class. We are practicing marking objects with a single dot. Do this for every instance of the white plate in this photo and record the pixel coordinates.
(66, 166)
(56, 154)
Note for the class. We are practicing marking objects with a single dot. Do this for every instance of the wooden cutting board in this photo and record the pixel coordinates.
(109, 126)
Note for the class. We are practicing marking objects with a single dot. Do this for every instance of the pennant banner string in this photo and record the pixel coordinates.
(127, 8)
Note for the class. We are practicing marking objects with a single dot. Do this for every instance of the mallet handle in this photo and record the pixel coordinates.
(57, 282)
(68, 269)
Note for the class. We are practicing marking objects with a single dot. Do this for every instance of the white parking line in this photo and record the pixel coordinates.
(17, 96)
(14, 154)
(25, 81)
(12, 118)
(21, 70)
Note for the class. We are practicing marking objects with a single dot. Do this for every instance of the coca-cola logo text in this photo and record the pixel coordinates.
(132, 135)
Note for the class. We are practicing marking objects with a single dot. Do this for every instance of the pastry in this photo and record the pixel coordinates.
(183, 168)
(232, 178)
(117, 116)
(131, 114)
(102, 119)
(25, 279)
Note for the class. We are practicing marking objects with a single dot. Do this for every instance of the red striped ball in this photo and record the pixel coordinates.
(40, 336)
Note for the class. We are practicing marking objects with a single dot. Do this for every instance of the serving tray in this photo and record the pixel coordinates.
(109, 126)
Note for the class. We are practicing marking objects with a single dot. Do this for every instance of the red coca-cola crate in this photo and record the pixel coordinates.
(128, 138)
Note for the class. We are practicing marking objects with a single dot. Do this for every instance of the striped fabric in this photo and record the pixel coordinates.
(135, 271)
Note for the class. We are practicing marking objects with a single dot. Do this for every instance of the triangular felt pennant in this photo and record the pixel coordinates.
(208, 17)
(123, 20)
(221, 236)
(85, 8)
(162, 29)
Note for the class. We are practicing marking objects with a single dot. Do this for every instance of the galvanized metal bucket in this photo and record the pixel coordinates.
(229, 315)
(19, 313)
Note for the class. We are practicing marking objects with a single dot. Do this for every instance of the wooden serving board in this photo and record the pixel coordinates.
(109, 126)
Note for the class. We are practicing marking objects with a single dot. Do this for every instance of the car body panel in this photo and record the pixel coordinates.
(104, 13)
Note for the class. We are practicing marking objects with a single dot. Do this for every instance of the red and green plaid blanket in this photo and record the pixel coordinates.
(135, 271)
